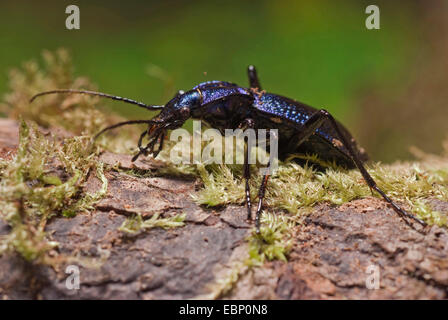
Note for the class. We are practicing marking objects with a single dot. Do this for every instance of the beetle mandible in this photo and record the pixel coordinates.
(224, 105)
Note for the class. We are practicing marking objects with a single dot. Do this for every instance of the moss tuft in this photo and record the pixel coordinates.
(30, 193)
(298, 189)
(294, 188)
(78, 114)
(273, 242)
(135, 224)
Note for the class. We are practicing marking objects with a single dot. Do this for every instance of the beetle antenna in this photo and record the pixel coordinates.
(100, 94)
(124, 123)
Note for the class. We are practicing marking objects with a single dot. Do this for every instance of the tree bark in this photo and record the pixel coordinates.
(335, 254)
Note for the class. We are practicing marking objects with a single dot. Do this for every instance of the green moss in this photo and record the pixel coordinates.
(30, 194)
(29, 242)
(86, 202)
(29, 178)
(293, 190)
(136, 224)
(296, 190)
(273, 242)
(222, 185)
(293, 187)
(168, 168)
(78, 114)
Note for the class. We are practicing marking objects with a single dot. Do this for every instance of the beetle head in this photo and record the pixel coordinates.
(173, 116)
(178, 110)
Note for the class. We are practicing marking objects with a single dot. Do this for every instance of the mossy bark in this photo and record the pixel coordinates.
(332, 252)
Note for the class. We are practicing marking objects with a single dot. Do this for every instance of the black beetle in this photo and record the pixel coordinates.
(224, 105)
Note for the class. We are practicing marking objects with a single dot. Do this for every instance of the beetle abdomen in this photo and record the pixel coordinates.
(291, 114)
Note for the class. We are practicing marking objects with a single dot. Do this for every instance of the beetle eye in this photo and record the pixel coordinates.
(185, 112)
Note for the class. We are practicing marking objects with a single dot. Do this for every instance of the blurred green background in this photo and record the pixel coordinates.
(387, 85)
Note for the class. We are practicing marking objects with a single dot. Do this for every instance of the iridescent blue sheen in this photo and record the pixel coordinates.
(213, 94)
(225, 105)
(288, 109)
(276, 105)
(188, 99)
(214, 84)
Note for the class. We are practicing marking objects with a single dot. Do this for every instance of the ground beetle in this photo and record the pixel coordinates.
(224, 105)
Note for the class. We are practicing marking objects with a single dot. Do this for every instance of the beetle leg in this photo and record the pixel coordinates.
(247, 177)
(262, 190)
(161, 140)
(141, 150)
(152, 144)
(253, 77)
(261, 193)
(247, 123)
(149, 148)
(309, 128)
(140, 140)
